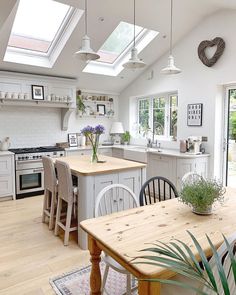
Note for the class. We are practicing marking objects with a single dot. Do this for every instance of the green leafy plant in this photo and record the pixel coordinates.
(79, 102)
(177, 256)
(126, 137)
(201, 194)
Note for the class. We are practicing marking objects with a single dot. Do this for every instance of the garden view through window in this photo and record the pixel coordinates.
(157, 116)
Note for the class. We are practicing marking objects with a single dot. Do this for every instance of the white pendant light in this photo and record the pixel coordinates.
(171, 68)
(86, 53)
(134, 62)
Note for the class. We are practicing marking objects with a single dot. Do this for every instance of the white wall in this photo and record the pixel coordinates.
(32, 126)
(196, 84)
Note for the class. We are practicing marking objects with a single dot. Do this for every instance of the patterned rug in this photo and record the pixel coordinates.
(77, 282)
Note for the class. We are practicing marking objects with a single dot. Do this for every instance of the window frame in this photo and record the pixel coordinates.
(168, 108)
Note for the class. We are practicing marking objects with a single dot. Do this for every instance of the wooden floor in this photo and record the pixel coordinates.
(29, 253)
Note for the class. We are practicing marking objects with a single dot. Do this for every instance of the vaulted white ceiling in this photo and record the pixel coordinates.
(151, 14)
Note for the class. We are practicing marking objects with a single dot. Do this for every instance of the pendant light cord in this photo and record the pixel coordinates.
(134, 25)
(86, 18)
(171, 25)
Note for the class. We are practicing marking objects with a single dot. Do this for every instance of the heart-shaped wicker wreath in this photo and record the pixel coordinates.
(220, 46)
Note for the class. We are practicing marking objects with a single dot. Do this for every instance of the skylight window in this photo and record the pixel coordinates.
(40, 31)
(118, 41)
(37, 24)
(116, 49)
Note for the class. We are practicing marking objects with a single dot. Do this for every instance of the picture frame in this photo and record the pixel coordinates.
(37, 92)
(194, 114)
(72, 139)
(101, 109)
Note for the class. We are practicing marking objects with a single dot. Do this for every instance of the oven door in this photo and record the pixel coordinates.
(29, 180)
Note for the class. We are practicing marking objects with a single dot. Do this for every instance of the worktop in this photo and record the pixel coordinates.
(82, 165)
(141, 149)
(6, 153)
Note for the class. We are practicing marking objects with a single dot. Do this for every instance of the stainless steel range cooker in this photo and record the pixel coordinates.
(29, 168)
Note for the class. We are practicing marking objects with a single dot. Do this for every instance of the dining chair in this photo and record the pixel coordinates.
(190, 177)
(224, 256)
(67, 194)
(157, 189)
(50, 191)
(115, 198)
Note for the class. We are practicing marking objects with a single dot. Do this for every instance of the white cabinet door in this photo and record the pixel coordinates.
(198, 165)
(6, 186)
(131, 179)
(7, 176)
(105, 152)
(5, 165)
(102, 181)
(162, 166)
(202, 166)
(118, 153)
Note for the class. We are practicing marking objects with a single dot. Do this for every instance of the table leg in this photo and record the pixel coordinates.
(149, 288)
(95, 275)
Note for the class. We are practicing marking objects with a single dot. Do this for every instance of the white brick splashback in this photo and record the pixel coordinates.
(37, 126)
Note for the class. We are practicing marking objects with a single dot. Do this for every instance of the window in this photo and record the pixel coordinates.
(40, 31)
(37, 24)
(116, 49)
(118, 41)
(157, 116)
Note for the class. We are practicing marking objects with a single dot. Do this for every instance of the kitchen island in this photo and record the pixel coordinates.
(93, 177)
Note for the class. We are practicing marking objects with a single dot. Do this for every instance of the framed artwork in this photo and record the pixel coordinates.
(72, 139)
(37, 92)
(101, 109)
(194, 114)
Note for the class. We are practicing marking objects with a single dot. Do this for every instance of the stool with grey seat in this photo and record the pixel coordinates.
(66, 194)
(115, 198)
(50, 191)
(157, 189)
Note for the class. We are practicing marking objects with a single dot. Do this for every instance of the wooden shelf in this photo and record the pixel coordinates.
(30, 102)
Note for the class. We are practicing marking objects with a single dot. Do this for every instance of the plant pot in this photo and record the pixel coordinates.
(207, 211)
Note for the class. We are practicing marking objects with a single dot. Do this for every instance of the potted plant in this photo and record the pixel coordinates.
(211, 277)
(200, 194)
(126, 137)
(79, 103)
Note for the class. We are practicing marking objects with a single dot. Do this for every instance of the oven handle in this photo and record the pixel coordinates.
(29, 161)
(38, 170)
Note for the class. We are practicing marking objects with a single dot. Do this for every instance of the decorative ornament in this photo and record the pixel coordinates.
(220, 46)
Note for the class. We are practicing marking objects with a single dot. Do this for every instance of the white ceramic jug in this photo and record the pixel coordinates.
(5, 144)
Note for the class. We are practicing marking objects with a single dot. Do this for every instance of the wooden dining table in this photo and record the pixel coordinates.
(122, 235)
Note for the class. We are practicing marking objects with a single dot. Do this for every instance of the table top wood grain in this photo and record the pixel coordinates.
(122, 235)
(82, 165)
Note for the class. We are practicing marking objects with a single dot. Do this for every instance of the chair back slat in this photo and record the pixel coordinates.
(114, 198)
(157, 189)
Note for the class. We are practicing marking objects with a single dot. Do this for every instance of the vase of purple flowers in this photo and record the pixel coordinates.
(93, 134)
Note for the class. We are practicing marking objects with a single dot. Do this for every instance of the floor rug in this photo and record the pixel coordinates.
(77, 282)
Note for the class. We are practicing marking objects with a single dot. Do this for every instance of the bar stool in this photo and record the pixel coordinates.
(50, 191)
(66, 194)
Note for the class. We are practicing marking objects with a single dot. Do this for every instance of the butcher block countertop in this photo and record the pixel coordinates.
(82, 165)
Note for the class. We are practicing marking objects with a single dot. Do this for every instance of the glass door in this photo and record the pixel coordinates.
(230, 138)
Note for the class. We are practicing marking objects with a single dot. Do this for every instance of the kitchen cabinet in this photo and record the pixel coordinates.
(175, 167)
(7, 175)
(105, 151)
(198, 165)
(159, 165)
(118, 153)
(77, 152)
